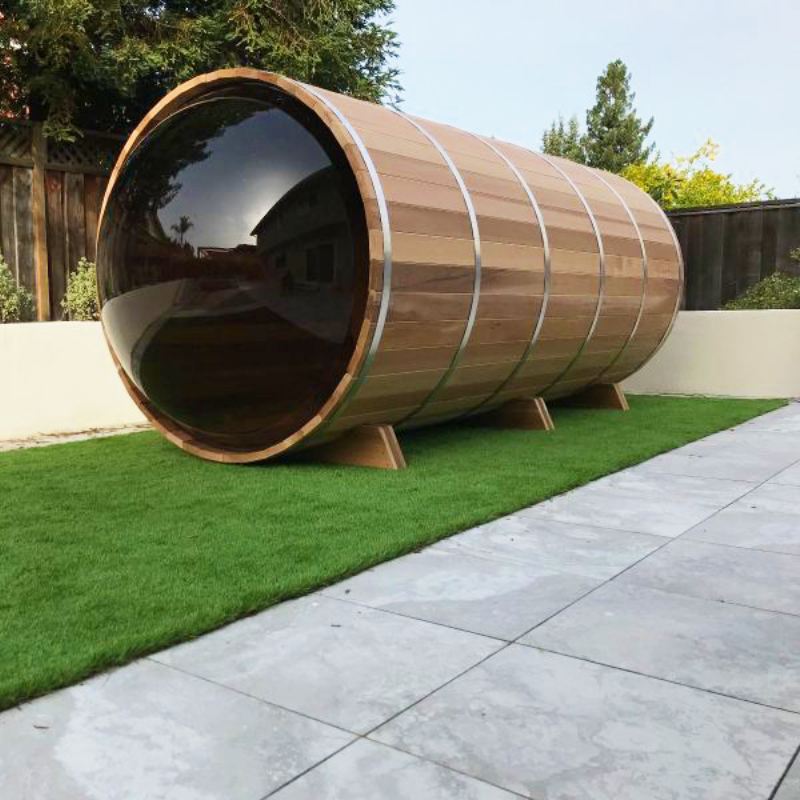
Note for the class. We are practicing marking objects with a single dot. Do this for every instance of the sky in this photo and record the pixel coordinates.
(724, 69)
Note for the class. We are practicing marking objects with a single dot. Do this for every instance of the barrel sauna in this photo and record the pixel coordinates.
(279, 265)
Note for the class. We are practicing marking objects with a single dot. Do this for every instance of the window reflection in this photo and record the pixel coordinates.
(232, 268)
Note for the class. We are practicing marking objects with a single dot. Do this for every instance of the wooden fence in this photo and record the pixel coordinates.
(726, 249)
(50, 195)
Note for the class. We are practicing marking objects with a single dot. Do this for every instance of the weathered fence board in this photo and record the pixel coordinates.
(50, 196)
(726, 249)
(56, 239)
(16, 224)
(24, 227)
(93, 187)
(8, 238)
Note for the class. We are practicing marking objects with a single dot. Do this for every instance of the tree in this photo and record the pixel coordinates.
(103, 63)
(181, 228)
(564, 140)
(615, 136)
(691, 181)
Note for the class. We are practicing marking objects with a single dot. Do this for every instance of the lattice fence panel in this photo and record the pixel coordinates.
(91, 153)
(15, 142)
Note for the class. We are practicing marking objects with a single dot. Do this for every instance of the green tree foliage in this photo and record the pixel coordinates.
(16, 302)
(103, 63)
(691, 181)
(565, 140)
(615, 135)
(80, 301)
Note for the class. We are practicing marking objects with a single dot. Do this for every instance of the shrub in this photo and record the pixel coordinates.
(777, 291)
(80, 301)
(16, 302)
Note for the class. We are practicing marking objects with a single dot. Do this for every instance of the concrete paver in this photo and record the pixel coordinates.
(553, 727)
(335, 661)
(742, 652)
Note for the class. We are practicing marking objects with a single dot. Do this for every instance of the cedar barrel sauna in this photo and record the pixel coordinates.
(282, 267)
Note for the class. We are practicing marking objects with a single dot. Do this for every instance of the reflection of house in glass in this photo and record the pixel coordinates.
(304, 238)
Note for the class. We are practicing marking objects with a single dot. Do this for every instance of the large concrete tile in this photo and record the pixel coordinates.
(729, 574)
(790, 476)
(782, 420)
(147, 731)
(743, 652)
(766, 519)
(335, 661)
(746, 455)
(496, 598)
(790, 786)
(644, 502)
(371, 771)
(598, 553)
(555, 728)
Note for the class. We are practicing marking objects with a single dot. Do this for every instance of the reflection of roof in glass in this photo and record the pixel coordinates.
(251, 165)
(310, 183)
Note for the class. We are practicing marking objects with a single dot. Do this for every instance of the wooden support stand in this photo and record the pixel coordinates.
(368, 446)
(601, 395)
(527, 413)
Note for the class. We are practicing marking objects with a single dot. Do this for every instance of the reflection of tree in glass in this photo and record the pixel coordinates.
(153, 185)
(181, 227)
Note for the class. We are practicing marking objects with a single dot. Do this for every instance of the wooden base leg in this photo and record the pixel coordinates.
(368, 446)
(525, 413)
(601, 395)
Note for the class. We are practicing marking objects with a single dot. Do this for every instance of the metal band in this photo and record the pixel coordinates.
(537, 213)
(635, 224)
(681, 282)
(476, 286)
(601, 288)
(386, 231)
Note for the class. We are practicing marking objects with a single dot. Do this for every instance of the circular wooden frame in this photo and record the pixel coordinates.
(179, 98)
(495, 273)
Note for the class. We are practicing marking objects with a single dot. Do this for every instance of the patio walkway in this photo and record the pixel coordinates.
(635, 639)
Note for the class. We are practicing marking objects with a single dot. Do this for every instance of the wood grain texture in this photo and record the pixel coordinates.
(56, 239)
(8, 236)
(39, 223)
(584, 297)
(600, 395)
(23, 226)
(373, 446)
(525, 413)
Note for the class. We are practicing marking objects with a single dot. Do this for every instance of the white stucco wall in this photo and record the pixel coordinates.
(729, 353)
(58, 377)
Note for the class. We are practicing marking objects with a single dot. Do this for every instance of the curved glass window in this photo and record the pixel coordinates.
(232, 267)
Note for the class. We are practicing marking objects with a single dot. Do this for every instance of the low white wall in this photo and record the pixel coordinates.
(727, 353)
(58, 377)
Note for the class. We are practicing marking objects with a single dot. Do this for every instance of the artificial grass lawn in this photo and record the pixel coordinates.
(112, 548)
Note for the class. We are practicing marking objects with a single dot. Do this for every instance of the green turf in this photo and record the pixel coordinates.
(116, 547)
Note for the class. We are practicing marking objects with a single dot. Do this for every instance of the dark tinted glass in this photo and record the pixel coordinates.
(232, 268)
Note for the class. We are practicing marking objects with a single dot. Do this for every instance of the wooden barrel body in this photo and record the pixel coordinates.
(476, 271)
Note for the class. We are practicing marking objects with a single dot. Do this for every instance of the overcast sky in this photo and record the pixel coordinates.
(725, 69)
